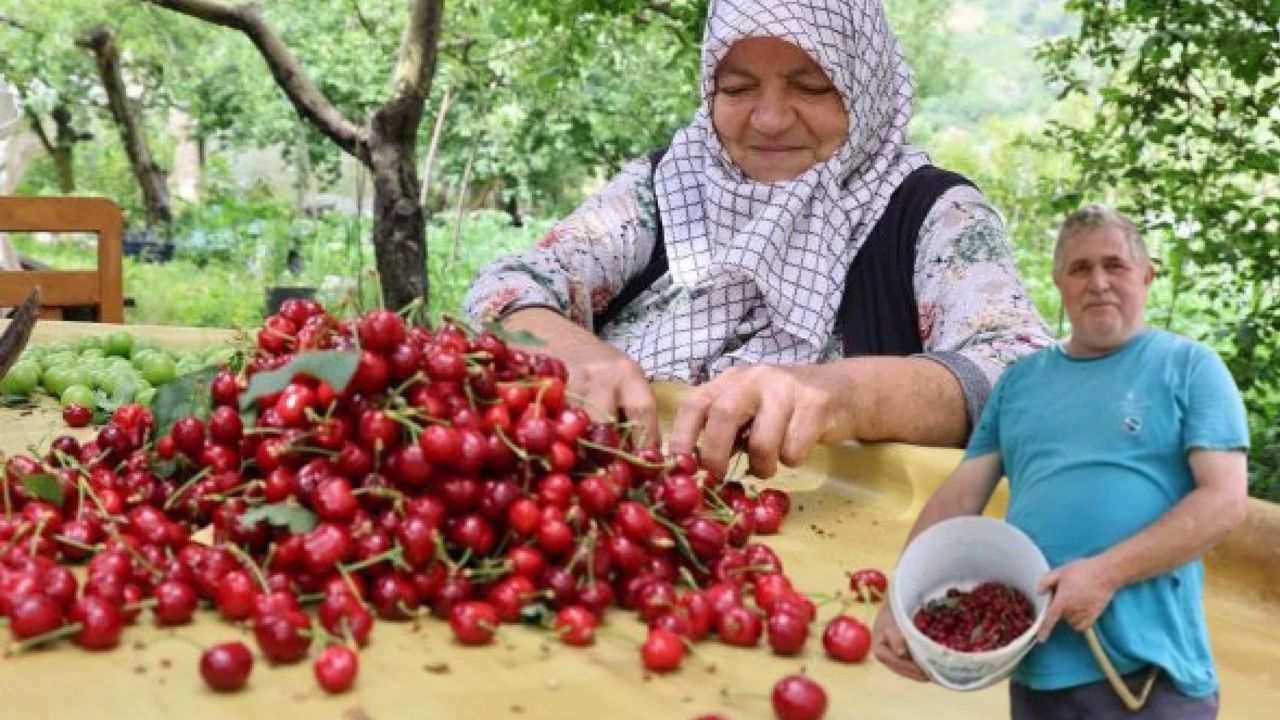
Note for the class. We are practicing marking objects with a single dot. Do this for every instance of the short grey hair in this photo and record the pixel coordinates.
(1096, 216)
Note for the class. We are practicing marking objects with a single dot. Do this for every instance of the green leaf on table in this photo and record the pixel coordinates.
(519, 337)
(163, 469)
(43, 486)
(187, 395)
(535, 614)
(105, 405)
(294, 517)
(332, 366)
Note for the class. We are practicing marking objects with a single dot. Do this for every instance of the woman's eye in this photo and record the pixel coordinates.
(816, 89)
(733, 90)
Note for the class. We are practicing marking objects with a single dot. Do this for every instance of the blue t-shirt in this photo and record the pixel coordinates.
(1095, 450)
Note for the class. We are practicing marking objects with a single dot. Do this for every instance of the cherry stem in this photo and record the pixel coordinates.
(248, 560)
(35, 536)
(519, 451)
(75, 544)
(351, 583)
(224, 496)
(681, 542)
(395, 555)
(46, 637)
(86, 487)
(623, 454)
(173, 498)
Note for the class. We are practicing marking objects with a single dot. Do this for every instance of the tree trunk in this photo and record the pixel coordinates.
(386, 145)
(399, 227)
(509, 188)
(155, 194)
(64, 140)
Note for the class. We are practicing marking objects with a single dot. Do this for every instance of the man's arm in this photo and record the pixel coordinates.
(789, 409)
(965, 492)
(1195, 524)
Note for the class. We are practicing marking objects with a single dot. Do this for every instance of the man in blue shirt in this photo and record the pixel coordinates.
(1125, 449)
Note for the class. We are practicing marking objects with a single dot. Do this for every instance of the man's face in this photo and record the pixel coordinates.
(775, 110)
(1104, 290)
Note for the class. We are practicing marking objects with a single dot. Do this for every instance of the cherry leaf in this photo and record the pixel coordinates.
(43, 486)
(332, 366)
(188, 395)
(294, 517)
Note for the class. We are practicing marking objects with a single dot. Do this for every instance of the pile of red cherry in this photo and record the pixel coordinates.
(449, 474)
(988, 617)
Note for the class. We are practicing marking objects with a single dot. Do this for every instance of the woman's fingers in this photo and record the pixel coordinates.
(769, 429)
(636, 400)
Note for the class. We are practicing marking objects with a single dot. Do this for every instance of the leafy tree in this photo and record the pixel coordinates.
(385, 141)
(1183, 133)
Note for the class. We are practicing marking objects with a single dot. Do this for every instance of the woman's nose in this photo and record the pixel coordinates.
(772, 114)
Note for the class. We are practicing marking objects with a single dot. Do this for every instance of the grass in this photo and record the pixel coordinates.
(223, 284)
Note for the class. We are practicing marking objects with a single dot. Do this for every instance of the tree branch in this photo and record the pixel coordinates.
(39, 128)
(301, 90)
(416, 59)
(364, 22)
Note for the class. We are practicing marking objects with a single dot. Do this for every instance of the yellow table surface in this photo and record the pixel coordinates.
(852, 508)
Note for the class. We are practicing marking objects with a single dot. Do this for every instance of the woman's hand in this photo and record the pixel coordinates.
(780, 412)
(890, 647)
(604, 378)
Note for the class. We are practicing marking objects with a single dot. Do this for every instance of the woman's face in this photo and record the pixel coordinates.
(775, 110)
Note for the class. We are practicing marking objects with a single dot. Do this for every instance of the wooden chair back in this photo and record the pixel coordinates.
(102, 288)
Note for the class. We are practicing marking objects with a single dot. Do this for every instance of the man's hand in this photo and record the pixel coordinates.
(605, 378)
(890, 647)
(783, 411)
(1082, 589)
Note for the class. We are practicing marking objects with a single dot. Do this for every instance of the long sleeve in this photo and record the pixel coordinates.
(976, 317)
(582, 262)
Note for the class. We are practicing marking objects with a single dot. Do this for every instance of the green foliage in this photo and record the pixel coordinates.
(334, 367)
(231, 250)
(1183, 132)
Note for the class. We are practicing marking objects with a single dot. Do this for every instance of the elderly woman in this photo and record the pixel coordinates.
(789, 254)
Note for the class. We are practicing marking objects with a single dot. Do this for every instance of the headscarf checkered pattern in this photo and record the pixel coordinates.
(768, 261)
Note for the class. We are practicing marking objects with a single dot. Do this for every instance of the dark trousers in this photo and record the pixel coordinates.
(1097, 701)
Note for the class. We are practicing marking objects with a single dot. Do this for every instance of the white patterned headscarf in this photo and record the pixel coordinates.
(767, 262)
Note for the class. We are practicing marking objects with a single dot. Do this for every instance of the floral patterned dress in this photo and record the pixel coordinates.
(976, 317)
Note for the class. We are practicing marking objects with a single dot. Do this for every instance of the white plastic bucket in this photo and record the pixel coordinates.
(964, 552)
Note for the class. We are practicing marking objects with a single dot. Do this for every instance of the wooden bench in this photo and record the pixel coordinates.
(101, 289)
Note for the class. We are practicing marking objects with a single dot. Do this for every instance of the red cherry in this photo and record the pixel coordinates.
(796, 697)
(76, 416)
(175, 602)
(576, 625)
(473, 622)
(33, 615)
(100, 621)
(787, 633)
(336, 668)
(226, 667)
(868, 584)
(846, 639)
(739, 626)
(662, 651)
(381, 330)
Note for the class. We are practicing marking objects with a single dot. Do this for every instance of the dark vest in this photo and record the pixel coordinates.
(878, 313)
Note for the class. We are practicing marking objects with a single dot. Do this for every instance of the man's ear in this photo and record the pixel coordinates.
(1150, 275)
